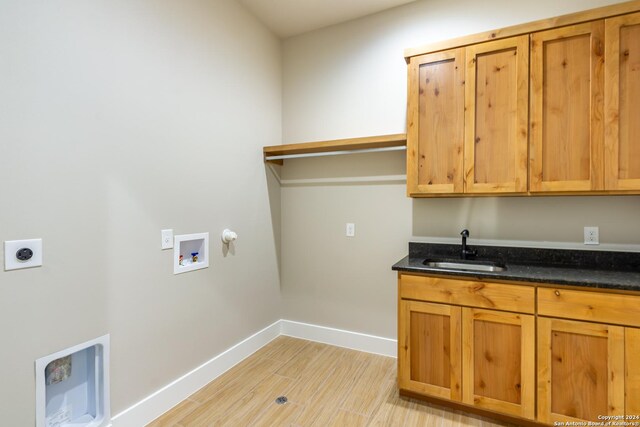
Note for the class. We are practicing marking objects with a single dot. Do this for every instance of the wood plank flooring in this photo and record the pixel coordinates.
(324, 385)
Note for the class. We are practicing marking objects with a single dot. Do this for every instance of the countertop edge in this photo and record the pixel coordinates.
(404, 265)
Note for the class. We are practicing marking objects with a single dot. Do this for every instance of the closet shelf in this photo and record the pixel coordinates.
(277, 153)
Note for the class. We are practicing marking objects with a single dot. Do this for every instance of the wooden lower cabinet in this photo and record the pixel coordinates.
(632, 371)
(429, 354)
(498, 359)
(581, 370)
(563, 355)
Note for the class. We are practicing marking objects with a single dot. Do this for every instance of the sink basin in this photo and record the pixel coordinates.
(466, 265)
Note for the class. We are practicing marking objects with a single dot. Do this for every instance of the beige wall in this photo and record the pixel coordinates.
(350, 80)
(118, 119)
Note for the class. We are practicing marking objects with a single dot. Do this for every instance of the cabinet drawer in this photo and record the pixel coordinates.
(592, 306)
(496, 296)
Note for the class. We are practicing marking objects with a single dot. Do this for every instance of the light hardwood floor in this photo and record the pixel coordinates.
(324, 385)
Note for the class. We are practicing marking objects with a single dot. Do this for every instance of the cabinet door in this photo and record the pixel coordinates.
(498, 354)
(429, 353)
(622, 102)
(497, 115)
(632, 371)
(567, 87)
(435, 123)
(580, 370)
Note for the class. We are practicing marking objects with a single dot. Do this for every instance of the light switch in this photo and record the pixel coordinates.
(167, 239)
(22, 254)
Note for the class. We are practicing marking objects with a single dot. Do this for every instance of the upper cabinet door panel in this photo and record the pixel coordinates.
(435, 123)
(622, 101)
(496, 120)
(567, 108)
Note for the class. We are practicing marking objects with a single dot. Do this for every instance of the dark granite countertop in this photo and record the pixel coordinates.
(595, 269)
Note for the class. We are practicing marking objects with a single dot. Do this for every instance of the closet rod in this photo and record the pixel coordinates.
(334, 153)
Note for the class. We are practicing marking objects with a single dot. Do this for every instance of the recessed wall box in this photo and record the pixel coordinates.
(184, 248)
(72, 386)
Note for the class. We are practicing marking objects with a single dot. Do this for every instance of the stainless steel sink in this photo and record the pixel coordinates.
(465, 265)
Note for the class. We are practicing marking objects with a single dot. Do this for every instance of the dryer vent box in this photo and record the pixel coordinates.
(72, 386)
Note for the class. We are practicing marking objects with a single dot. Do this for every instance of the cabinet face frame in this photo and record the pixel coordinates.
(404, 349)
(615, 364)
(537, 181)
(526, 408)
(613, 28)
(519, 132)
(456, 56)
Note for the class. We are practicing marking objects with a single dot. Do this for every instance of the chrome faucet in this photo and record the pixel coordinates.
(466, 252)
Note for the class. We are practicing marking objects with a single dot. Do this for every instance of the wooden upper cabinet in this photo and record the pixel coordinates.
(496, 118)
(435, 123)
(567, 85)
(622, 102)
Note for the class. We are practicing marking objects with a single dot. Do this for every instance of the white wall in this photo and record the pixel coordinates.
(349, 80)
(118, 119)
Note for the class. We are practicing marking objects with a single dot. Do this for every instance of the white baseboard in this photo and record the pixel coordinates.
(151, 407)
(156, 404)
(340, 338)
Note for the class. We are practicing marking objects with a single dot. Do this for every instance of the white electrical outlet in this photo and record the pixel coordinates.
(591, 236)
(167, 238)
(22, 254)
(351, 229)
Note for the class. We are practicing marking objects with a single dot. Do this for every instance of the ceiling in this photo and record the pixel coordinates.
(291, 17)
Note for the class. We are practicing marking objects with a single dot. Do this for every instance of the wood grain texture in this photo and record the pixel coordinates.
(250, 406)
(580, 370)
(176, 414)
(342, 384)
(430, 346)
(480, 294)
(382, 141)
(344, 418)
(498, 360)
(282, 349)
(543, 395)
(297, 365)
(315, 374)
(632, 371)
(579, 366)
(622, 102)
(215, 402)
(398, 411)
(281, 415)
(435, 123)
(496, 118)
(521, 29)
(393, 411)
(249, 368)
(589, 306)
(363, 398)
(429, 349)
(567, 96)
(334, 391)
